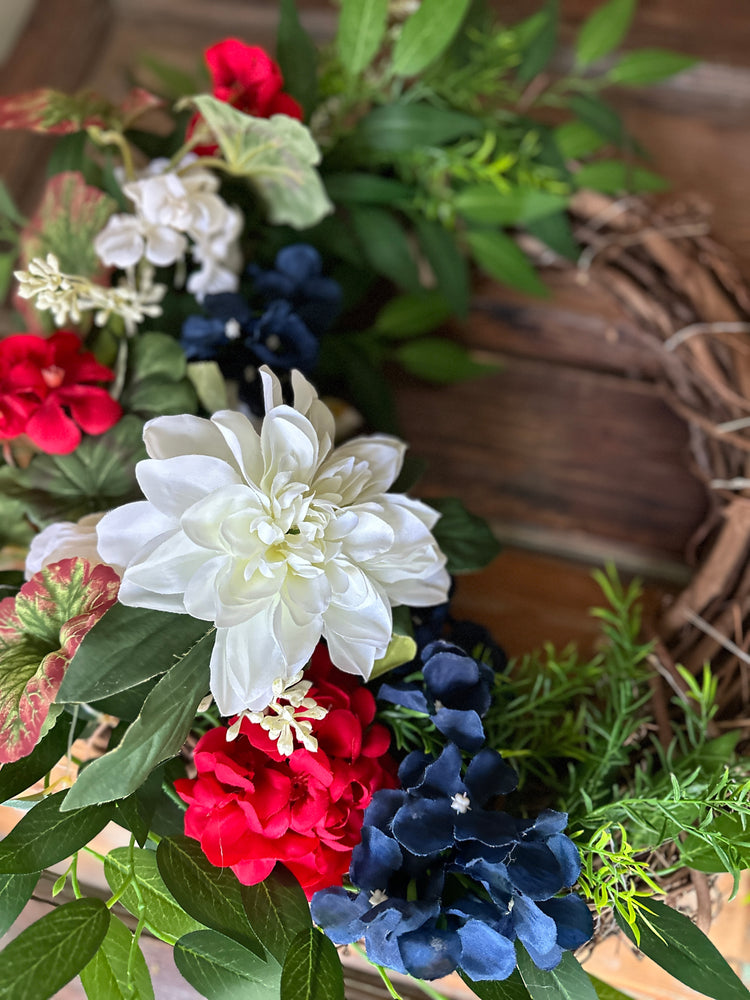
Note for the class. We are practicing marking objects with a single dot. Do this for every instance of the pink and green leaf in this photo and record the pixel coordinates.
(52, 111)
(40, 631)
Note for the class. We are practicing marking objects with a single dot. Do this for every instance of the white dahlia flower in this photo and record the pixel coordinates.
(65, 540)
(277, 537)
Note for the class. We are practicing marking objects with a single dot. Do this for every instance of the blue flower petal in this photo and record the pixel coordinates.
(463, 728)
(202, 337)
(443, 777)
(485, 954)
(374, 860)
(535, 929)
(338, 912)
(424, 826)
(298, 261)
(430, 953)
(383, 807)
(493, 829)
(548, 823)
(228, 305)
(545, 960)
(535, 871)
(412, 769)
(403, 695)
(489, 775)
(575, 925)
(568, 857)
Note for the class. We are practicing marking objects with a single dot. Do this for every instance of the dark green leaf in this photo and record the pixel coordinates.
(172, 81)
(616, 177)
(465, 538)
(157, 382)
(567, 981)
(277, 910)
(7, 263)
(385, 245)
(427, 34)
(156, 735)
(606, 992)
(111, 972)
(124, 648)
(449, 265)
(49, 953)
(47, 835)
(599, 116)
(400, 128)
(576, 139)
(500, 257)
(365, 382)
(603, 30)
(15, 892)
(483, 203)
(126, 705)
(541, 44)
(362, 25)
(211, 895)
(312, 969)
(368, 189)
(8, 208)
(297, 57)
(22, 774)
(677, 946)
(646, 66)
(511, 988)
(221, 969)
(164, 916)
(439, 360)
(69, 154)
(697, 853)
(412, 315)
(555, 231)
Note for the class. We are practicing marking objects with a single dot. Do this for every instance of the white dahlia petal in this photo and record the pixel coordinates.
(243, 441)
(173, 485)
(65, 540)
(126, 531)
(184, 434)
(379, 456)
(169, 566)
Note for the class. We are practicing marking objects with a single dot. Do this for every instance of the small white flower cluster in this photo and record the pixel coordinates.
(173, 207)
(286, 721)
(67, 296)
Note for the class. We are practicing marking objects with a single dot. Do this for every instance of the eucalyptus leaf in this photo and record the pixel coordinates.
(135, 872)
(368, 189)
(483, 203)
(412, 314)
(465, 538)
(511, 988)
(156, 735)
(221, 969)
(576, 139)
(49, 953)
(46, 835)
(427, 34)
(501, 258)
(312, 968)
(439, 360)
(211, 895)
(15, 892)
(567, 981)
(112, 974)
(647, 66)
(603, 30)
(125, 647)
(297, 57)
(676, 945)
(616, 177)
(599, 116)
(361, 31)
(448, 263)
(386, 246)
(400, 128)
(541, 43)
(556, 232)
(277, 911)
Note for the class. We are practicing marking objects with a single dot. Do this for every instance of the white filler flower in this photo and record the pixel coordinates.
(277, 537)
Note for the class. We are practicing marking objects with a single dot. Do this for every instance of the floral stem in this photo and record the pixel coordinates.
(392, 991)
(429, 990)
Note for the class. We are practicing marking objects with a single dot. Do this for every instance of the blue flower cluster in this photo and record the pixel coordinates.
(297, 305)
(444, 881)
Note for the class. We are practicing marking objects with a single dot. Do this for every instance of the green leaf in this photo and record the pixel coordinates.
(297, 57)
(277, 910)
(68, 154)
(15, 892)
(221, 969)
(211, 895)
(401, 649)
(385, 245)
(209, 385)
(603, 30)
(465, 538)
(438, 360)
(125, 647)
(541, 44)
(511, 988)
(400, 128)
(676, 945)
(277, 156)
(46, 835)
(369, 189)
(599, 116)
(312, 969)
(499, 256)
(111, 972)
(47, 955)
(361, 30)
(8, 207)
(7, 264)
(448, 263)
(22, 774)
(156, 735)
(172, 81)
(483, 203)
(646, 66)
(555, 231)
(606, 992)
(616, 177)
(413, 314)
(697, 853)
(567, 981)
(427, 34)
(157, 382)
(126, 868)
(576, 139)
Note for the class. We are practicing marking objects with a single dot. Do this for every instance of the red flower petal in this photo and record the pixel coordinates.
(52, 431)
(92, 408)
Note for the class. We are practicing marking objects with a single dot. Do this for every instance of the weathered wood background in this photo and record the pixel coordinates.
(570, 450)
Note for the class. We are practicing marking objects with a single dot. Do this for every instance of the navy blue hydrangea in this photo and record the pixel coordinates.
(442, 880)
(296, 305)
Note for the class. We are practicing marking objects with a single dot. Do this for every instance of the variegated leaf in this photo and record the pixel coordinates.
(52, 111)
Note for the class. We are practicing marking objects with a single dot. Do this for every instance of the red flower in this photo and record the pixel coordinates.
(246, 77)
(250, 807)
(46, 391)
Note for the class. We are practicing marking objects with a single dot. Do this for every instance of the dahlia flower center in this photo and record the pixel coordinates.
(53, 376)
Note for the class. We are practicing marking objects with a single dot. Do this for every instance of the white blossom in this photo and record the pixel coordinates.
(65, 540)
(278, 538)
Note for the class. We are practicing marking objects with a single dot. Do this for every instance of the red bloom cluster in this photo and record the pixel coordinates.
(46, 391)
(246, 77)
(250, 807)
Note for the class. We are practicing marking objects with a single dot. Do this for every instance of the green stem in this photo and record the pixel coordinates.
(429, 990)
(73, 870)
(141, 918)
(383, 974)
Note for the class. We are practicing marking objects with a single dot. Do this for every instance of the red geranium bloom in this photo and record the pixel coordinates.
(250, 807)
(246, 77)
(46, 391)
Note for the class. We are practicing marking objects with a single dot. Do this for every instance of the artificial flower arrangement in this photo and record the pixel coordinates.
(305, 746)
